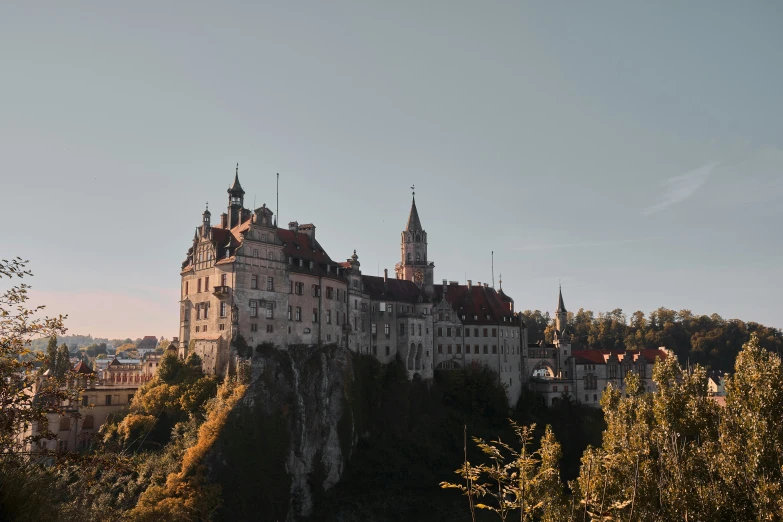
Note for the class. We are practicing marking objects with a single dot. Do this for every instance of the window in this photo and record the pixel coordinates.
(440, 348)
(269, 311)
(221, 327)
(186, 288)
(270, 284)
(298, 313)
(554, 388)
(316, 291)
(494, 332)
(290, 287)
(223, 307)
(475, 332)
(494, 349)
(253, 327)
(448, 348)
(612, 371)
(381, 307)
(485, 348)
(206, 284)
(255, 252)
(448, 332)
(206, 312)
(253, 309)
(459, 348)
(328, 317)
(223, 279)
(329, 292)
(269, 328)
(85, 401)
(199, 285)
(108, 400)
(197, 329)
(89, 420)
(386, 329)
(467, 348)
(458, 332)
(373, 329)
(299, 288)
(254, 282)
(204, 328)
(355, 304)
(402, 328)
(289, 312)
(440, 331)
(387, 350)
(315, 315)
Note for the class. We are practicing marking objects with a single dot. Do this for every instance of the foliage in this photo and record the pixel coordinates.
(178, 392)
(523, 481)
(25, 398)
(187, 494)
(711, 341)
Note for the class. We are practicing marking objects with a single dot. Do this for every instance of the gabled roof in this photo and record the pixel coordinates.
(593, 356)
(400, 290)
(476, 301)
(149, 341)
(413, 218)
(83, 368)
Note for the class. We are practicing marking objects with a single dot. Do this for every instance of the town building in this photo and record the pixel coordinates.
(147, 345)
(559, 369)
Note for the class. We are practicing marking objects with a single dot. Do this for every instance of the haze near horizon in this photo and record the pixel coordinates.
(633, 152)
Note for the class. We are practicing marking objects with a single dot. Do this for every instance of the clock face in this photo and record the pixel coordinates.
(418, 276)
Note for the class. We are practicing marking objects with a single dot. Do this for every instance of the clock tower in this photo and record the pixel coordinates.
(414, 265)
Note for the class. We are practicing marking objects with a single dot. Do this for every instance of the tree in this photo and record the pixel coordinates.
(514, 481)
(62, 362)
(24, 397)
(51, 354)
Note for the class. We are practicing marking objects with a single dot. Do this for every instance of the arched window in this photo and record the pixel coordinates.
(418, 237)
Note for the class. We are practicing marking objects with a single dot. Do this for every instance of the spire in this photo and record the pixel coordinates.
(413, 218)
(236, 187)
(561, 309)
(207, 212)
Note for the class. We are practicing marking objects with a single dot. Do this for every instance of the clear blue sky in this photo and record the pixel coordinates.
(633, 150)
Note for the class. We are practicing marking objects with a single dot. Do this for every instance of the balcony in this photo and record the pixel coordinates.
(221, 291)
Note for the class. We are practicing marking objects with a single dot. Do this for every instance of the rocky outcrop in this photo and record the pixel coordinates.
(290, 436)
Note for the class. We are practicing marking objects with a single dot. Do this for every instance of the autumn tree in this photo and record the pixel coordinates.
(23, 403)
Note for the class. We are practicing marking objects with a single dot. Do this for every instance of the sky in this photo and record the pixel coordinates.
(632, 151)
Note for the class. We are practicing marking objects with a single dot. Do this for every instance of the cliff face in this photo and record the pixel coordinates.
(290, 436)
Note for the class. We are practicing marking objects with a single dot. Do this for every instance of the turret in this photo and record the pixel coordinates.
(561, 315)
(205, 222)
(414, 265)
(236, 198)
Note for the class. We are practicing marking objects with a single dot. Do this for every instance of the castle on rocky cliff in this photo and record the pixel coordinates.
(246, 277)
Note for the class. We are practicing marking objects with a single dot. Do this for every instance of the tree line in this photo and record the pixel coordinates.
(708, 340)
(673, 454)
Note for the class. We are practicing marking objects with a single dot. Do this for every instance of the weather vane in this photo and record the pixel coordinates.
(413, 188)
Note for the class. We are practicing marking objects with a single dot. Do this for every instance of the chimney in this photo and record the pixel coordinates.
(445, 285)
(486, 285)
(293, 226)
(470, 284)
(308, 229)
(224, 220)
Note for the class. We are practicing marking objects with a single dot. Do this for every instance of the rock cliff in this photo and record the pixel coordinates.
(290, 436)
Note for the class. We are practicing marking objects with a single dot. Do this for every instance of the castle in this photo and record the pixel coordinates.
(245, 277)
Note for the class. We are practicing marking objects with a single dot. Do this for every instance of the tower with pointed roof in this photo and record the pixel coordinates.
(414, 265)
(236, 196)
(561, 314)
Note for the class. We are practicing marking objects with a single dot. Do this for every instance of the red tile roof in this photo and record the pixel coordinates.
(594, 356)
(82, 367)
(483, 303)
(395, 289)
